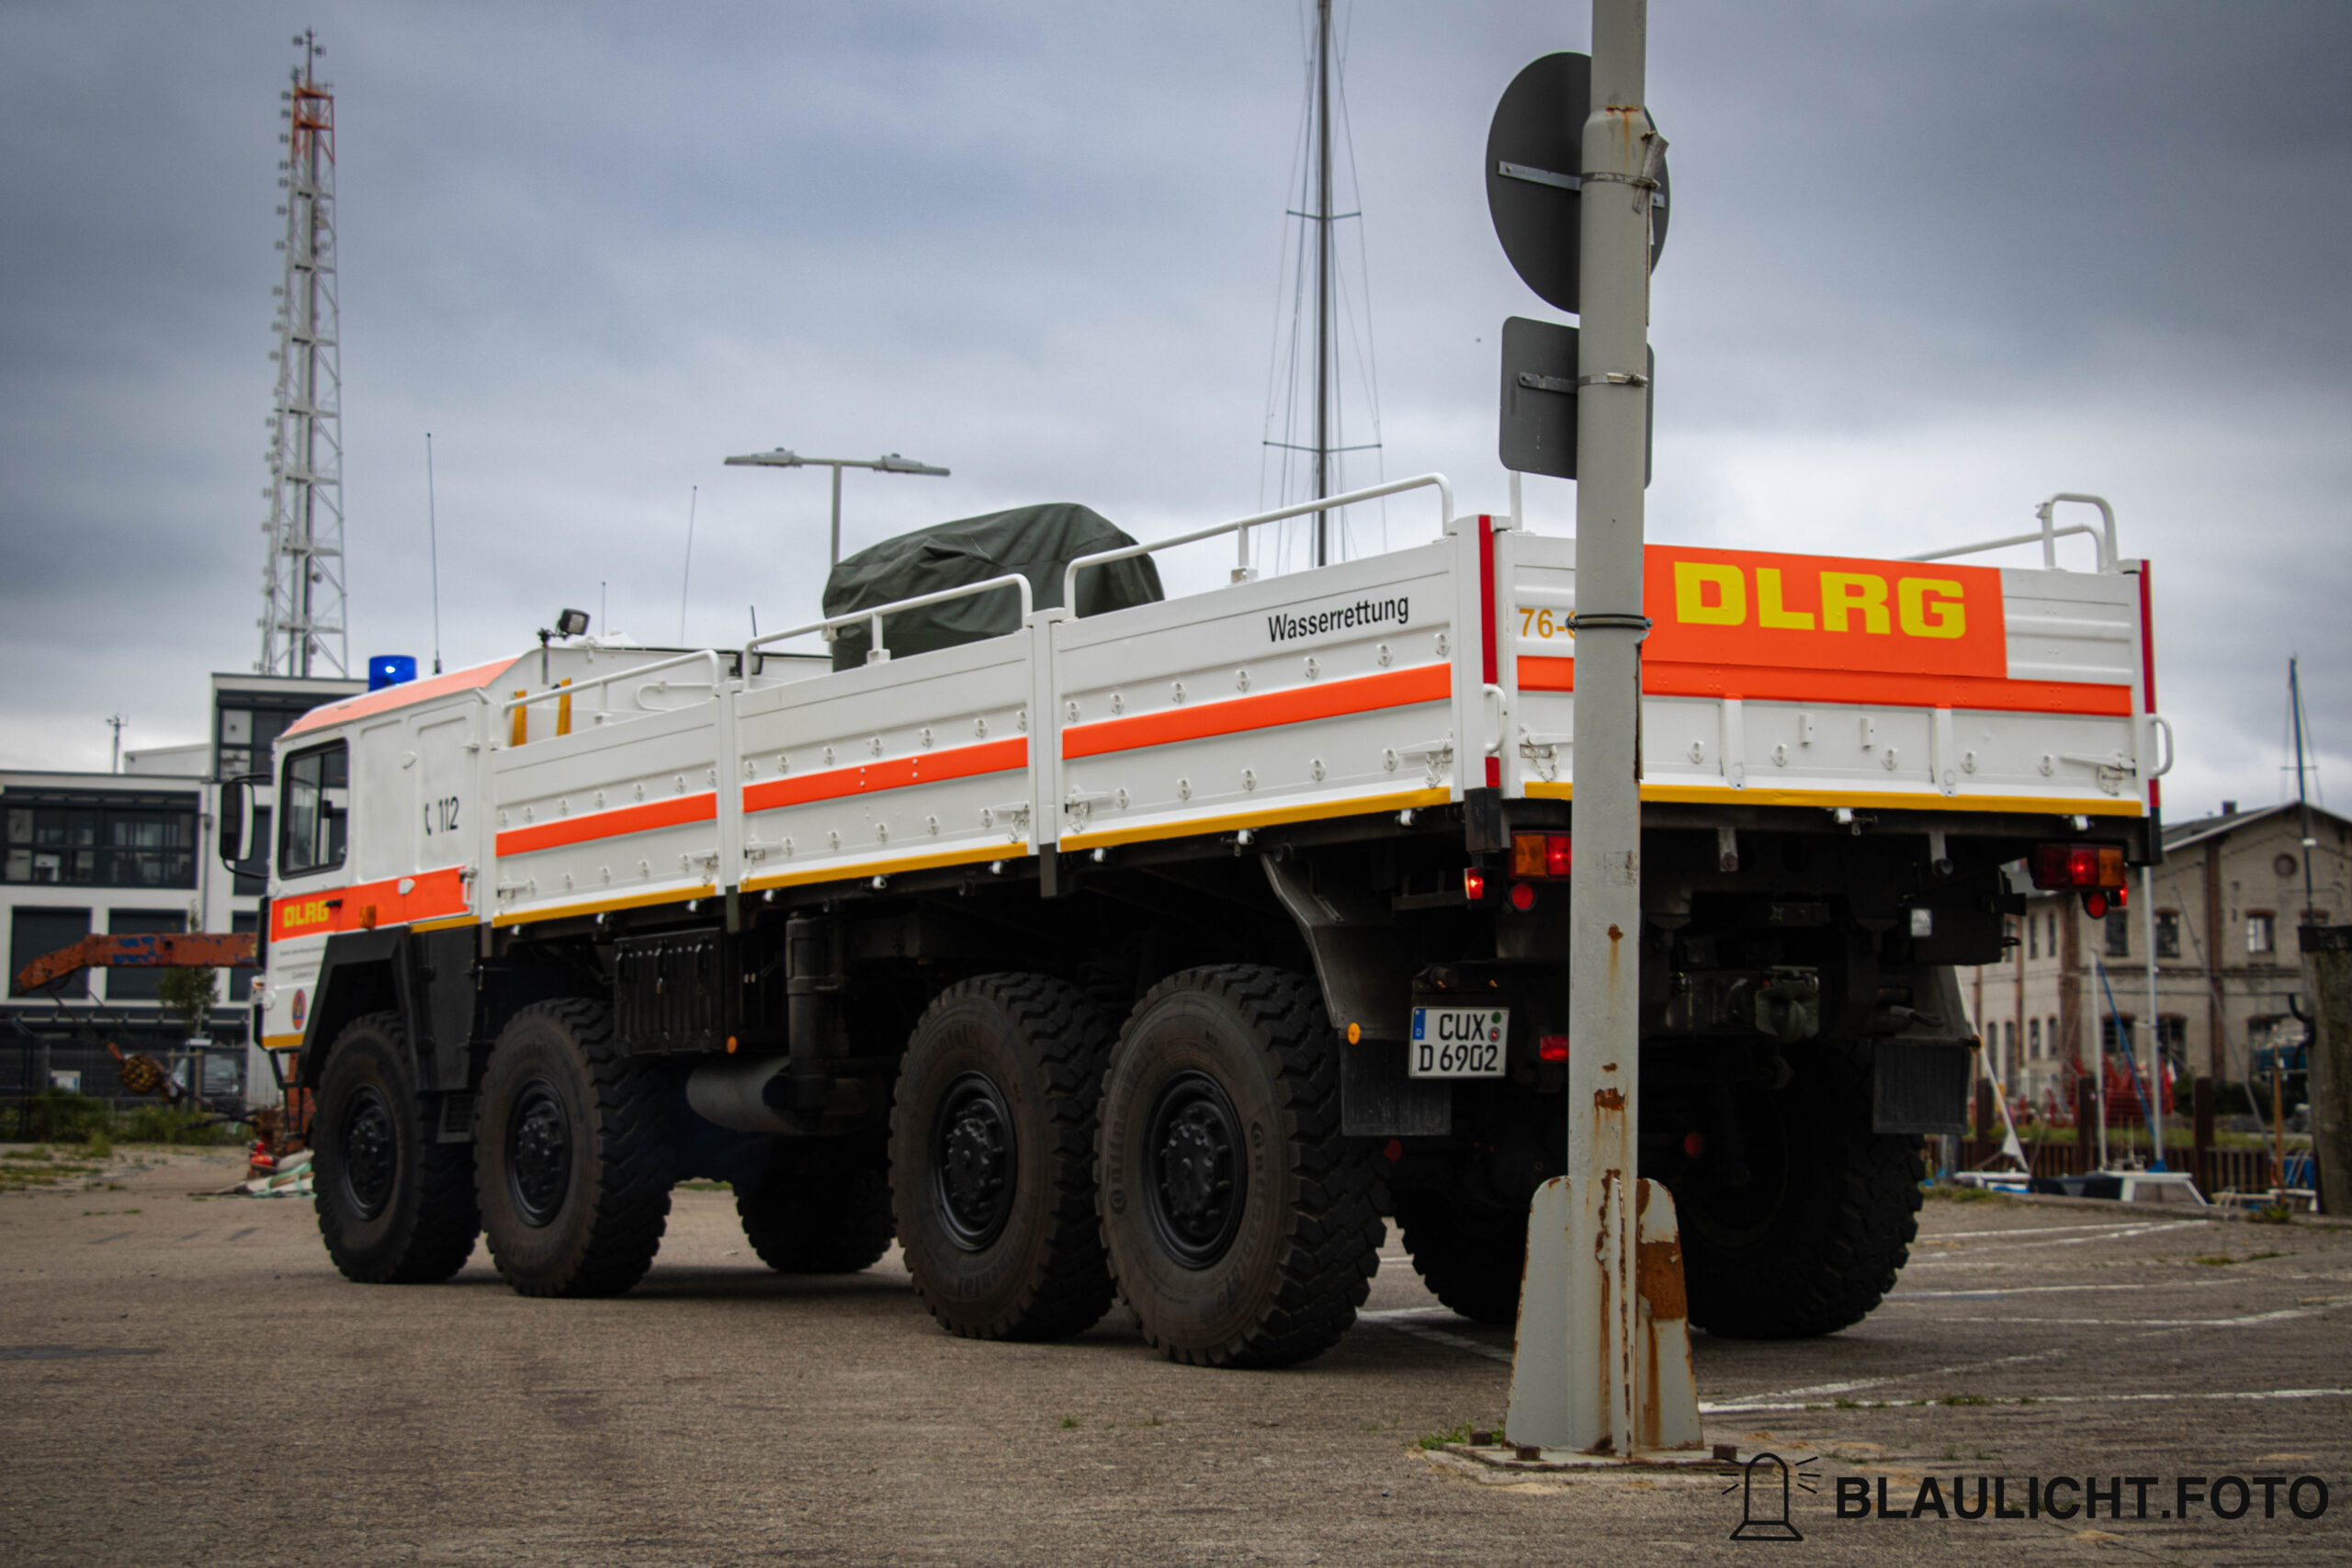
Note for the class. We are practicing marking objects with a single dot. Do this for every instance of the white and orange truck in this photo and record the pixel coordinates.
(1160, 953)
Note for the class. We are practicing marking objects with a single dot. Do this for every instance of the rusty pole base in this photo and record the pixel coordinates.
(1721, 1457)
(1573, 1392)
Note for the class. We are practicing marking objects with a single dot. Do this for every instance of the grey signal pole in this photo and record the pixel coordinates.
(782, 458)
(1622, 151)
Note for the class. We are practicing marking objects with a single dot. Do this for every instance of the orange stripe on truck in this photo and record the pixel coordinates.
(1884, 688)
(364, 906)
(1235, 715)
(930, 767)
(593, 824)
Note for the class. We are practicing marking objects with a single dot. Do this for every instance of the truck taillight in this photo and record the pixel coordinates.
(2078, 867)
(1540, 856)
(1474, 884)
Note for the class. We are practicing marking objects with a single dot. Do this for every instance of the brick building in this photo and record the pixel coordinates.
(2228, 899)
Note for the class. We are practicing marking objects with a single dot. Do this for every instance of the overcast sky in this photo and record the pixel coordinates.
(1929, 263)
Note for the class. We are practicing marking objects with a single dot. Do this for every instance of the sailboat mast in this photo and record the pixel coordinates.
(2302, 799)
(1322, 276)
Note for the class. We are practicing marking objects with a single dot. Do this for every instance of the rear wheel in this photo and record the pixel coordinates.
(394, 1207)
(1801, 1224)
(1472, 1257)
(992, 1158)
(818, 1206)
(573, 1167)
(1242, 1225)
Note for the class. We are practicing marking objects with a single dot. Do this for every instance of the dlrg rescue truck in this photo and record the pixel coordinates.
(1158, 954)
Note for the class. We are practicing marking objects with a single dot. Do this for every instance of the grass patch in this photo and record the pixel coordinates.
(1965, 1399)
(1959, 1192)
(1433, 1441)
(1069, 1423)
(706, 1186)
(1845, 1404)
(2274, 1214)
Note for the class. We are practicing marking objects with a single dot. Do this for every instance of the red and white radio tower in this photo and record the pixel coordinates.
(303, 611)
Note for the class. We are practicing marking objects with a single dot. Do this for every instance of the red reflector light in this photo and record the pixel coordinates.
(1473, 886)
(1539, 854)
(2061, 866)
(2095, 905)
(1551, 1048)
(1522, 897)
(1694, 1144)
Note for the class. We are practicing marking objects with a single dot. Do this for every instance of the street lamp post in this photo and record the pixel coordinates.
(782, 458)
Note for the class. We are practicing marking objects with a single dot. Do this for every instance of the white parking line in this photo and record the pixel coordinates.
(1415, 1321)
(2052, 1230)
(2051, 1290)
(1733, 1408)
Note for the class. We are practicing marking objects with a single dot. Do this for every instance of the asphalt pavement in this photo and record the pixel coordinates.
(186, 1379)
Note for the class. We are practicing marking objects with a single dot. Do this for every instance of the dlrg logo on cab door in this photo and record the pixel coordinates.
(1741, 607)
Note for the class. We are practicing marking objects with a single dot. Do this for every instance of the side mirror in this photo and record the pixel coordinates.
(236, 845)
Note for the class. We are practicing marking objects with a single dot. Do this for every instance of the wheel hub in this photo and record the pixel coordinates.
(1198, 1183)
(538, 1153)
(370, 1153)
(973, 1159)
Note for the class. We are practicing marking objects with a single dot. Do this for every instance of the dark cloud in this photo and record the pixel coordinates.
(1929, 263)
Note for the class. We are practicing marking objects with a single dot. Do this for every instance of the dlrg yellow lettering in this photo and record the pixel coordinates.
(1768, 612)
(1942, 616)
(1694, 579)
(1844, 594)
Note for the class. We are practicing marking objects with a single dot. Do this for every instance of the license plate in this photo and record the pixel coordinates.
(1457, 1042)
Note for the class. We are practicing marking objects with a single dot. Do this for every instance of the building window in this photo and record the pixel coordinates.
(128, 985)
(97, 845)
(2053, 934)
(241, 981)
(2033, 1039)
(2032, 937)
(2167, 934)
(317, 800)
(2009, 1053)
(2053, 1040)
(2261, 932)
(2114, 1037)
(33, 931)
(246, 734)
(2118, 933)
(2172, 1040)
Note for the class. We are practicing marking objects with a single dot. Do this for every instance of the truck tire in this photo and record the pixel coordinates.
(1811, 1242)
(1472, 1257)
(395, 1208)
(819, 1206)
(992, 1158)
(1243, 1228)
(573, 1163)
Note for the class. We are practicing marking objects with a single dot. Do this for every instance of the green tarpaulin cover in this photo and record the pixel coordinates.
(1035, 541)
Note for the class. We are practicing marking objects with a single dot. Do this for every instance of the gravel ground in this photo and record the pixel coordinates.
(186, 1379)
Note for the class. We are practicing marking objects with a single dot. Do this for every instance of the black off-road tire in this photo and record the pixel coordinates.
(1243, 1227)
(818, 1206)
(1813, 1242)
(1473, 1258)
(992, 1158)
(573, 1160)
(395, 1208)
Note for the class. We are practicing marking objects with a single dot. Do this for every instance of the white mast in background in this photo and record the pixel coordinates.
(302, 590)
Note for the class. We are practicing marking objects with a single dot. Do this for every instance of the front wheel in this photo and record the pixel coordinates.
(395, 1208)
(1242, 1225)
